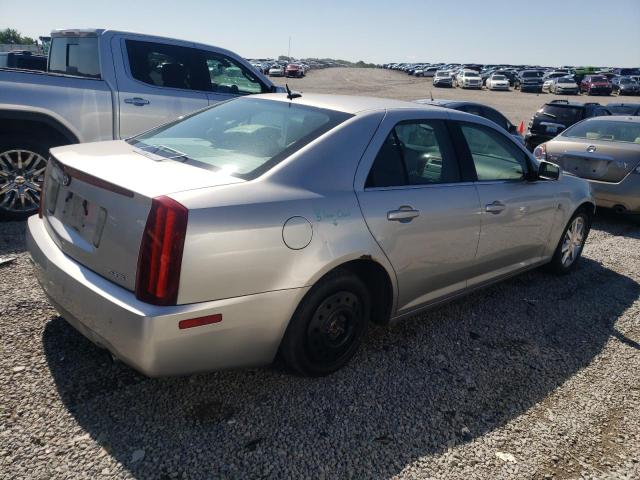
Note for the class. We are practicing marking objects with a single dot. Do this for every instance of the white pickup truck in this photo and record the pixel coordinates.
(104, 85)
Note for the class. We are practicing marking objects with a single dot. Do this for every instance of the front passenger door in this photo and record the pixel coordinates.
(420, 209)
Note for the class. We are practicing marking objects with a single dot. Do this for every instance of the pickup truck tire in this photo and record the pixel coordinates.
(22, 165)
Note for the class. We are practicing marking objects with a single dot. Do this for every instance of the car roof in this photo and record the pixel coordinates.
(351, 104)
(623, 104)
(439, 102)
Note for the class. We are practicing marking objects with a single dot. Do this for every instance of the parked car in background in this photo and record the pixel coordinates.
(624, 108)
(469, 79)
(276, 71)
(144, 245)
(553, 117)
(606, 152)
(625, 86)
(442, 78)
(595, 85)
(497, 82)
(427, 72)
(294, 70)
(546, 85)
(564, 86)
(117, 85)
(479, 109)
(529, 81)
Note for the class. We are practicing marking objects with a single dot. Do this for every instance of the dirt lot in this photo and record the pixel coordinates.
(537, 377)
(515, 105)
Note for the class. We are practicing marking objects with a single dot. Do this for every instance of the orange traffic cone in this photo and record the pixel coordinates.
(521, 128)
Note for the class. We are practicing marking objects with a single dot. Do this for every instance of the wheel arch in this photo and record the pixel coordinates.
(378, 280)
(17, 122)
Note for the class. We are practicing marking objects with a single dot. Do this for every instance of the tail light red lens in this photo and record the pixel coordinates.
(160, 257)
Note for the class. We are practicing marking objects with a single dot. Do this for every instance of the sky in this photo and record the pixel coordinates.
(544, 32)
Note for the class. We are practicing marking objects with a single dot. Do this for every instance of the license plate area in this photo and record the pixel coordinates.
(84, 217)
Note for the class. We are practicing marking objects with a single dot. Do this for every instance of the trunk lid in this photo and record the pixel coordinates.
(98, 196)
(595, 160)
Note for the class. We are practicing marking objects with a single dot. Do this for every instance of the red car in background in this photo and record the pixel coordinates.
(595, 84)
(294, 70)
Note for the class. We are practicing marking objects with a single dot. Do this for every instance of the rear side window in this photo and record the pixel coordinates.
(76, 56)
(165, 65)
(494, 156)
(415, 153)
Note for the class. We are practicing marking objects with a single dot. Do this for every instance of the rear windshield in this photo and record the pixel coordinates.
(611, 130)
(76, 56)
(598, 78)
(498, 77)
(562, 113)
(566, 80)
(243, 137)
(531, 74)
(623, 109)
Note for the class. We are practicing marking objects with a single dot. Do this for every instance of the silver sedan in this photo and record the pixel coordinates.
(281, 223)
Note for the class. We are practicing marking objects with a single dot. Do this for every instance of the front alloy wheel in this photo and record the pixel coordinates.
(21, 178)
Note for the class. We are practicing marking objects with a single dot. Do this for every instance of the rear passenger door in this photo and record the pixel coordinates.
(157, 82)
(420, 208)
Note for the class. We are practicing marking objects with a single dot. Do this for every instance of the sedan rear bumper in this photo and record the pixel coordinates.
(147, 337)
(623, 194)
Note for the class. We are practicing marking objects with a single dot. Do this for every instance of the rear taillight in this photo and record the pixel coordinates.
(160, 256)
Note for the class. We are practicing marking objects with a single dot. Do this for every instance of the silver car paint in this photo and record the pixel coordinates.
(235, 259)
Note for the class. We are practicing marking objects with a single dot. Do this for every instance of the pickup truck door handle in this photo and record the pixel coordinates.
(495, 207)
(137, 101)
(403, 214)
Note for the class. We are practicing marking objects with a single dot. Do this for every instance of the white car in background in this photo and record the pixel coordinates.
(546, 86)
(497, 82)
(469, 79)
(276, 71)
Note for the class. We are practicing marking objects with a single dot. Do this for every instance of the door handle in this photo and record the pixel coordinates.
(404, 214)
(137, 101)
(495, 207)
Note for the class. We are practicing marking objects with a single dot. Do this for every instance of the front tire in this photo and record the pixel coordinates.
(328, 326)
(569, 249)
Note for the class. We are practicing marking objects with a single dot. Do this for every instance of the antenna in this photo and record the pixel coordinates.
(291, 95)
(431, 94)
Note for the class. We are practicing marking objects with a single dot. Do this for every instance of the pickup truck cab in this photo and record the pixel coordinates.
(105, 85)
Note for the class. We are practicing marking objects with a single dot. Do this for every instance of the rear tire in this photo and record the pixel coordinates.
(328, 326)
(22, 165)
(571, 244)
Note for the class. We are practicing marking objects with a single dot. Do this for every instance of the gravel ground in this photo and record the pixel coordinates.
(536, 377)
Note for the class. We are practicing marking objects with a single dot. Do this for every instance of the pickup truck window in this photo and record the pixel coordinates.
(229, 77)
(163, 65)
(76, 56)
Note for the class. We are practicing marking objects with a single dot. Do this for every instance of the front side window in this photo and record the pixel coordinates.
(226, 76)
(243, 137)
(415, 153)
(76, 56)
(494, 156)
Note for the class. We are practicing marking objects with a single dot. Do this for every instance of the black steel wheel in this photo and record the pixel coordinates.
(328, 325)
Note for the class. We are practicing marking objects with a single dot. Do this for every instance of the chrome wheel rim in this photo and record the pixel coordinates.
(573, 241)
(21, 177)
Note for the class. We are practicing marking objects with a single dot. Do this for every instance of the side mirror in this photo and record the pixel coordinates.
(548, 171)
(513, 129)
